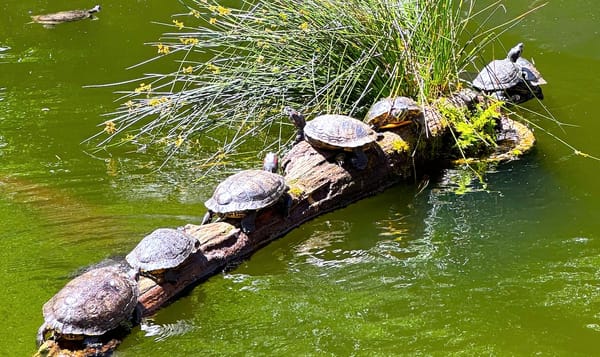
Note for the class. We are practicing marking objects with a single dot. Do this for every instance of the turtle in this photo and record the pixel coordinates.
(389, 113)
(161, 252)
(337, 133)
(90, 305)
(50, 20)
(500, 76)
(242, 195)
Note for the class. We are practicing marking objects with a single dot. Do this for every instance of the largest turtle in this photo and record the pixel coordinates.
(338, 133)
(242, 195)
(90, 305)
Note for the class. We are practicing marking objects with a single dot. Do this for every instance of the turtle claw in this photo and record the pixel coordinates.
(360, 159)
(207, 218)
(247, 223)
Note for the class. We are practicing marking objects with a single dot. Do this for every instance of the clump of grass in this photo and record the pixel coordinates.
(235, 68)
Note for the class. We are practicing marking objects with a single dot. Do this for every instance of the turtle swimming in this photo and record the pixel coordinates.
(159, 253)
(389, 113)
(50, 20)
(242, 195)
(90, 305)
(336, 133)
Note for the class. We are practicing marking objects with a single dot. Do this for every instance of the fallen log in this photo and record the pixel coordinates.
(317, 185)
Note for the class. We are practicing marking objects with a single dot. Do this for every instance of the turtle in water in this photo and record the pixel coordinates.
(50, 20)
(504, 78)
(160, 252)
(242, 195)
(90, 305)
(337, 133)
(389, 113)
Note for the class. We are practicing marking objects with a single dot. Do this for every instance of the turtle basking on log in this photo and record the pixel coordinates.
(336, 132)
(512, 79)
(390, 113)
(160, 252)
(241, 195)
(91, 305)
(50, 20)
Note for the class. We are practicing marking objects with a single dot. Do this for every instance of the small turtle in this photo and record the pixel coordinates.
(389, 113)
(337, 133)
(500, 76)
(91, 305)
(50, 20)
(241, 195)
(160, 252)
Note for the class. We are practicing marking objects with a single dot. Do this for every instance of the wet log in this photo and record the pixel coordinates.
(318, 184)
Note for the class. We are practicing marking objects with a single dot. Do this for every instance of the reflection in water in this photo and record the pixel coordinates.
(162, 332)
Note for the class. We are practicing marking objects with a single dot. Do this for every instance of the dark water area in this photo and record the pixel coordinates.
(511, 270)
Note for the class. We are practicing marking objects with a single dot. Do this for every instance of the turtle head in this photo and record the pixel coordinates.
(271, 162)
(94, 9)
(515, 52)
(295, 117)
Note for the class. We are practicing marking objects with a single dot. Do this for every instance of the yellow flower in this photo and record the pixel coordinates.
(188, 41)
(179, 24)
(179, 141)
(110, 127)
(260, 59)
(223, 10)
(212, 21)
(163, 49)
(188, 70)
(195, 13)
(303, 26)
(212, 8)
(143, 88)
(283, 16)
(214, 69)
(129, 104)
(276, 69)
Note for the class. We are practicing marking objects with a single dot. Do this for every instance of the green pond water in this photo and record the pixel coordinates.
(513, 270)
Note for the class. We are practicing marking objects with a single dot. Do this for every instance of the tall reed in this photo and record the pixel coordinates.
(235, 68)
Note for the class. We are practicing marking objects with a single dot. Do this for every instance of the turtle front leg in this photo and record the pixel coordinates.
(360, 159)
(287, 205)
(340, 159)
(207, 217)
(505, 97)
(248, 225)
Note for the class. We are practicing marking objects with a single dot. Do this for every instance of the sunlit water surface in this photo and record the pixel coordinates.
(511, 270)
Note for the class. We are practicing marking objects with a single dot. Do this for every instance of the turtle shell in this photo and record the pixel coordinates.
(164, 248)
(498, 75)
(65, 16)
(93, 303)
(530, 72)
(392, 112)
(245, 191)
(332, 131)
